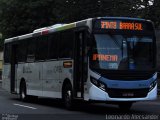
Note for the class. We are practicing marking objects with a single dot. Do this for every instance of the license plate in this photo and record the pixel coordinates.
(127, 94)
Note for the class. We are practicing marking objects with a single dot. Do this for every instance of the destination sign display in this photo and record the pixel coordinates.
(105, 57)
(121, 25)
(125, 25)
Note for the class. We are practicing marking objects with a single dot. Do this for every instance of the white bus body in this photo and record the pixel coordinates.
(48, 77)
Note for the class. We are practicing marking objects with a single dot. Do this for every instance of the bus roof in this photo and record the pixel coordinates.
(61, 27)
(122, 18)
(50, 29)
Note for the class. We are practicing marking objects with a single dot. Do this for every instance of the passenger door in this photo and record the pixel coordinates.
(13, 79)
(80, 62)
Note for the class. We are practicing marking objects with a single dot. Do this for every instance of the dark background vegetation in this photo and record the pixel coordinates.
(19, 17)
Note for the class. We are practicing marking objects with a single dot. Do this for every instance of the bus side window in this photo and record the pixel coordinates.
(66, 44)
(22, 51)
(31, 50)
(42, 48)
(7, 53)
(53, 46)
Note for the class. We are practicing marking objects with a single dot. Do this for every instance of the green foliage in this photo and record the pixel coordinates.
(19, 17)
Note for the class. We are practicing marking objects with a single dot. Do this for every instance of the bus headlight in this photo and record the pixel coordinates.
(99, 84)
(152, 85)
(102, 86)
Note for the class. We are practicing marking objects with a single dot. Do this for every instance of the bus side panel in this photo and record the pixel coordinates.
(34, 81)
(6, 77)
(51, 84)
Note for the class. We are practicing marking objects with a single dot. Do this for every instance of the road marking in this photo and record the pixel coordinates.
(25, 106)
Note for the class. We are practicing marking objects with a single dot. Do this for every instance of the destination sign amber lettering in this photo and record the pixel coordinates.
(108, 25)
(121, 25)
(130, 26)
(103, 57)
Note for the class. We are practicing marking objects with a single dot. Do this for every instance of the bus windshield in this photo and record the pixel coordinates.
(122, 52)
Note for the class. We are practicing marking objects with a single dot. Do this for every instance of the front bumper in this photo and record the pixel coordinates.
(99, 95)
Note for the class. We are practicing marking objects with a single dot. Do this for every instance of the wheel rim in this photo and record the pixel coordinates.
(68, 98)
(23, 94)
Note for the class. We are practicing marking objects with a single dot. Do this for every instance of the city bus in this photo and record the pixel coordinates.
(103, 59)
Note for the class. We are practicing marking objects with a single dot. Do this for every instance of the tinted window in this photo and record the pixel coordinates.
(66, 45)
(7, 53)
(53, 46)
(31, 49)
(42, 48)
(22, 51)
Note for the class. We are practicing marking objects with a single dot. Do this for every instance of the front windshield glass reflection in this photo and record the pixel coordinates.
(121, 52)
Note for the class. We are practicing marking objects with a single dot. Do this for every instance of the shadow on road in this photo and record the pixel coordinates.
(90, 108)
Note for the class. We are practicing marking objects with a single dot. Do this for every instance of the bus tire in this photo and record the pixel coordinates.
(125, 106)
(23, 94)
(68, 97)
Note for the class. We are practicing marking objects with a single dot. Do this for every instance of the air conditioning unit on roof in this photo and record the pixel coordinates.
(49, 27)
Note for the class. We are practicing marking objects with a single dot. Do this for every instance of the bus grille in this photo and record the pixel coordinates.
(127, 93)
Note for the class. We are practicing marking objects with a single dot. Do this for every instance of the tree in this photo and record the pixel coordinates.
(22, 17)
(19, 17)
(154, 13)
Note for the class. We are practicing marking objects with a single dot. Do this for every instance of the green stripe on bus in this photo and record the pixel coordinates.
(66, 27)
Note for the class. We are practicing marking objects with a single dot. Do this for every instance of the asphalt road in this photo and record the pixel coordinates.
(11, 108)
